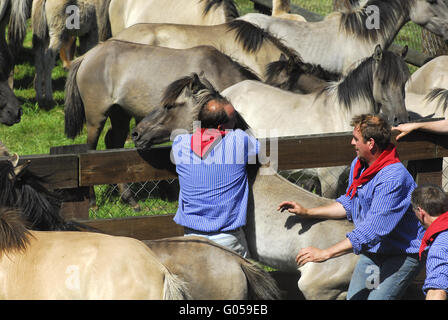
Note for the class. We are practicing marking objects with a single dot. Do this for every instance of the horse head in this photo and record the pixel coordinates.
(297, 76)
(432, 15)
(388, 86)
(10, 110)
(180, 107)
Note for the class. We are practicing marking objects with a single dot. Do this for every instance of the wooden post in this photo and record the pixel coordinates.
(76, 200)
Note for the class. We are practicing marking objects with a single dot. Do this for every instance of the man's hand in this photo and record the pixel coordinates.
(311, 254)
(405, 128)
(292, 207)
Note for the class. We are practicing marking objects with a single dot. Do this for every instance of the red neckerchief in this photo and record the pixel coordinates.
(439, 225)
(203, 140)
(387, 157)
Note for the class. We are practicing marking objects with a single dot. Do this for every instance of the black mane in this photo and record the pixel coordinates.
(229, 6)
(354, 22)
(442, 95)
(204, 93)
(39, 206)
(253, 37)
(359, 82)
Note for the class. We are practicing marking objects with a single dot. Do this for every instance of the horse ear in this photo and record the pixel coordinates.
(378, 54)
(20, 169)
(404, 52)
(14, 159)
(282, 57)
(195, 84)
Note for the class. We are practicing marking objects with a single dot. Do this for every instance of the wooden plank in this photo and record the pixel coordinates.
(312, 151)
(125, 165)
(142, 228)
(76, 203)
(413, 57)
(59, 171)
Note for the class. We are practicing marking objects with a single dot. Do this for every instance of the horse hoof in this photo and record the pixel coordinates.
(47, 104)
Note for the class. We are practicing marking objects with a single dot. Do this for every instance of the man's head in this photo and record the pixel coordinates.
(429, 201)
(371, 136)
(218, 114)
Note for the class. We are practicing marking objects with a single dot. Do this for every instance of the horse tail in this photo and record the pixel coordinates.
(440, 94)
(104, 27)
(75, 117)
(14, 236)
(20, 11)
(174, 288)
(261, 284)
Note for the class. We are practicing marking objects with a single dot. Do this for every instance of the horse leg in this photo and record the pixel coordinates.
(67, 52)
(39, 48)
(116, 138)
(93, 134)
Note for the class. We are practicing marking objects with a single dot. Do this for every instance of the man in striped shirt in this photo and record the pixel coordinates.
(214, 189)
(387, 234)
(430, 205)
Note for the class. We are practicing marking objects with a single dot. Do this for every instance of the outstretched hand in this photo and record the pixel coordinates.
(292, 207)
(404, 129)
(311, 254)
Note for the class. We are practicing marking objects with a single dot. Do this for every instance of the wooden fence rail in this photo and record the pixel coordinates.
(73, 171)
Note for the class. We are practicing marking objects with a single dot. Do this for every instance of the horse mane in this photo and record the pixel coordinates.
(14, 236)
(38, 206)
(230, 9)
(353, 22)
(440, 94)
(359, 81)
(252, 38)
(205, 93)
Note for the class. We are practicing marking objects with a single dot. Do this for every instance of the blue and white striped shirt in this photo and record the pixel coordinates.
(437, 264)
(214, 191)
(382, 213)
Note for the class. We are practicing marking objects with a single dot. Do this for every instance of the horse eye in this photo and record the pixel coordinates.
(432, 1)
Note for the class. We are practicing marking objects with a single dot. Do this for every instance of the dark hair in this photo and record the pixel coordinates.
(430, 198)
(373, 127)
(210, 119)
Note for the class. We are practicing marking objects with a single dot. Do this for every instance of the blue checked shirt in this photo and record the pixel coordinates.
(382, 213)
(437, 264)
(214, 191)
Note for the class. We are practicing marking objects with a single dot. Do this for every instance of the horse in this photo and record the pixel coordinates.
(282, 8)
(200, 263)
(245, 43)
(427, 95)
(78, 265)
(124, 14)
(13, 14)
(273, 238)
(51, 32)
(238, 278)
(343, 38)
